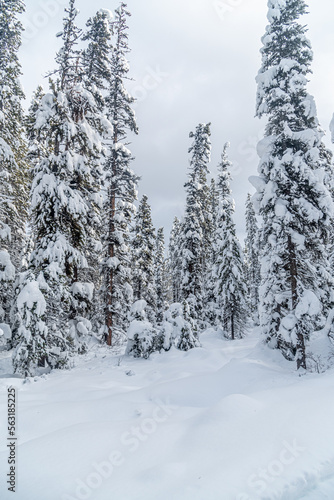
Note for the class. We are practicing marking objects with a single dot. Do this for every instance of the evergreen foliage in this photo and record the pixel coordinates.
(65, 196)
(96, 57)
(253, 273)
(161, 278)
(38, 349)
(175, 259)
(292, 198)
(144, 250)
(230, 286)
(121, 188)
(14, 179)
(141, 334)
(192, 246)
(210, 302)
(188, 338)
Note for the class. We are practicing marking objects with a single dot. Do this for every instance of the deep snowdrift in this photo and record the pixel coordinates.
(228, 421)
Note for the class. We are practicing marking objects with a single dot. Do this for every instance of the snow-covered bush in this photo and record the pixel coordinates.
(5, 335)
(38, 348)
(80, 326)
(31, 351)
(7, 277)
(141, 333)
(320, 349)
(189, 336)
(164, 339)
(178, 328)
(170, 328)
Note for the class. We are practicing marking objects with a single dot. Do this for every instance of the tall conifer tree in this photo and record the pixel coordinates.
(253, 259)
(144, 249)
(175, 259)
(96, 62)
(209, 277)
(292, 198)
(121, 189)
(64, 198)
(230, 290)
(14, 184)
(161, 279)
(192, 242)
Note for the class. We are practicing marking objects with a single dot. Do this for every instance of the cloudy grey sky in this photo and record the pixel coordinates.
(193, 61)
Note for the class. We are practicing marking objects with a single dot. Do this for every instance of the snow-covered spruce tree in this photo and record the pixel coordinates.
(292, 198)
(65, 191)
(175, 259)
(210, 279)
(96, 57)
(121, 185)
(193, 224)
(13, 151)
(213, 211)
(207, 228)
(188, 338)
(33, 353)
(161, 280)
(96, 62)
(36, 143)
(329, 179)
(88, 112)
(141, 333)
(230, 290)
(143, 259)
(168, 330)
(253, 275)
(167, 280)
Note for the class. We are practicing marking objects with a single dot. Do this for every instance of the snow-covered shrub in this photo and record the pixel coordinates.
(178, 328)
(37, 347)
(31, 351)
(141, 333)
(7, 277)
(170, 328)
(164, 339)
(80, 326)
(320, 349)
(5, 335)
(189, 336)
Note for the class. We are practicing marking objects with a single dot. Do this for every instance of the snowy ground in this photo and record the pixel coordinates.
(228, 421)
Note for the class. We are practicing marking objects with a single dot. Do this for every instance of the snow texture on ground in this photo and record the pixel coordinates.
(227, 421)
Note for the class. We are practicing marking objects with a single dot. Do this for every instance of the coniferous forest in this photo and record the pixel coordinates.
(82, 266)
(78, 259)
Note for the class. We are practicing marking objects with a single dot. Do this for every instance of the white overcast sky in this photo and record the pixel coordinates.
(193, 61)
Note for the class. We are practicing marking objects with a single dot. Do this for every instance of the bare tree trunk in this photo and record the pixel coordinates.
(301, 359)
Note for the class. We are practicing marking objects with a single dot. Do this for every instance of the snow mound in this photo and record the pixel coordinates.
(230, 421)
